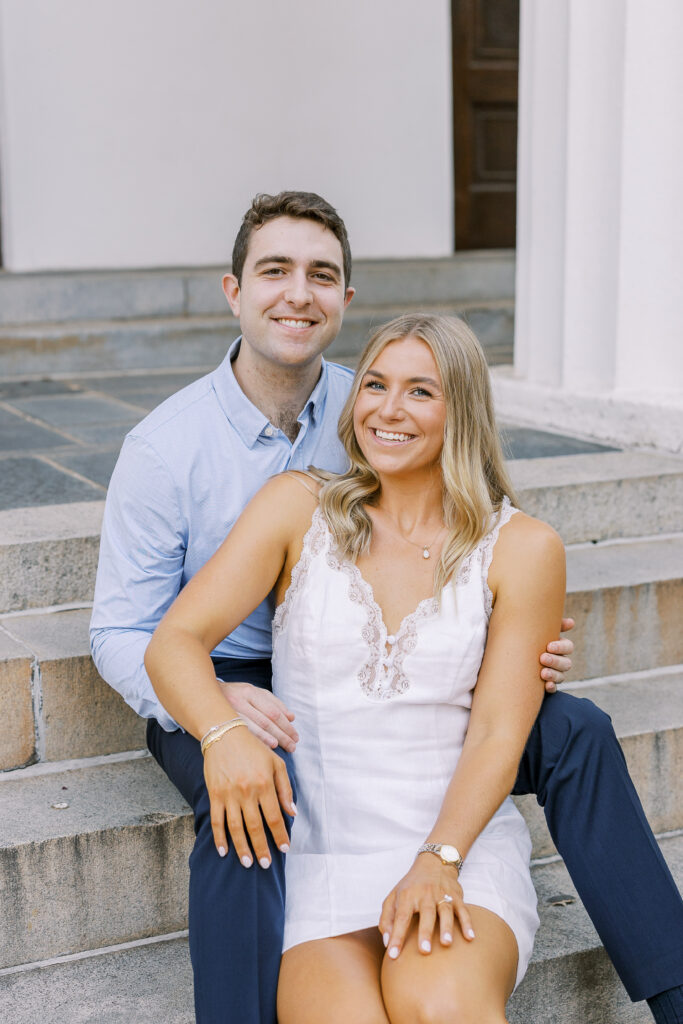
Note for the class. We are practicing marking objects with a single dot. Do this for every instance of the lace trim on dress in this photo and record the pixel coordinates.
(313, 543)
(382, 676)
(507, 510)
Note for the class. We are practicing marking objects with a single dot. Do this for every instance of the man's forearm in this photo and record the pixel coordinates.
(119, 654)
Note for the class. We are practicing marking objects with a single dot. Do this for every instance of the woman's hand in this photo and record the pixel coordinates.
(422, 892)
(265, 714)
(246, 781)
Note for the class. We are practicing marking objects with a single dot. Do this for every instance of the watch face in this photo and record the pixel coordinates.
(449, 853)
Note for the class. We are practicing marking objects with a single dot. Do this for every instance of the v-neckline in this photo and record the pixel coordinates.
(369, 592)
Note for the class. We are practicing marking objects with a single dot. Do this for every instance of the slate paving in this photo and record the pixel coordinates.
(59, 438)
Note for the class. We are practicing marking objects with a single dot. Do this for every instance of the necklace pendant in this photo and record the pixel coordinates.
(425, 552)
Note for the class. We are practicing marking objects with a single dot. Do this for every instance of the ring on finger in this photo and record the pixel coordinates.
(445, 899)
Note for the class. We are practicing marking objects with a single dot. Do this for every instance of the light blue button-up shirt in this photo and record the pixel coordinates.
(182, 479)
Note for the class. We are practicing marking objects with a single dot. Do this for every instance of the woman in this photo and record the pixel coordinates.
(399, 585)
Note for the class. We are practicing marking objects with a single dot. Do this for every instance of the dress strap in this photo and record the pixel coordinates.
(505, 514)
(302, 477)
(315, 540)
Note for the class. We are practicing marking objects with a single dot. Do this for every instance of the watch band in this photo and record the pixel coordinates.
(452, 858)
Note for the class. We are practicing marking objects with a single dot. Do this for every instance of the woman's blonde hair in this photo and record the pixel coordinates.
(474, 475)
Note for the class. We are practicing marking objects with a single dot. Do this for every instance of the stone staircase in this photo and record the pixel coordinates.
(93, 854)
(69, 323)
(94, 840)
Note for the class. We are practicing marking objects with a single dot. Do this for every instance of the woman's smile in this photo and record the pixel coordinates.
(386, 436)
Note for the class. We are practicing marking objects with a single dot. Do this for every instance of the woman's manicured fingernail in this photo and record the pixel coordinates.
(426, 946)
(284, 848)
(222, 851)
(393, 952)
(385, 939)
(247, 862)
(264, 862)
(447, 937)
(469, 933)
(292, 810)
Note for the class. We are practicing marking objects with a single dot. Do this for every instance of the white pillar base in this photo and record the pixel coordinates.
(634, 421)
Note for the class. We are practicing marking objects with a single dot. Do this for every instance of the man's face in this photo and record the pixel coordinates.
(292, 298)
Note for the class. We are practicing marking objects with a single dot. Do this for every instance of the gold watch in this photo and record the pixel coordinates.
(448, 854)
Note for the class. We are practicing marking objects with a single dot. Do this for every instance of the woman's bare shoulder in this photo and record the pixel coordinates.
(293, 486)
(283, 505)
(527, 544)
(527, 529)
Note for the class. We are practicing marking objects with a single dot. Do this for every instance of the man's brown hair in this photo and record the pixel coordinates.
(304, 205)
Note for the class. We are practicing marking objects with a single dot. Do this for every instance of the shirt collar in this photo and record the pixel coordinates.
(315, 406)
(249, 422)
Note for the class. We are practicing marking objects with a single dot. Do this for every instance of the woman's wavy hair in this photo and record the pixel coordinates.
(474, 476)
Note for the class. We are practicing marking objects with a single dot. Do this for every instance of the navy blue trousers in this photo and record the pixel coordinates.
(574, 765)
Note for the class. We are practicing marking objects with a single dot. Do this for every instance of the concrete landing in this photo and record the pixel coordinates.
(59, 438)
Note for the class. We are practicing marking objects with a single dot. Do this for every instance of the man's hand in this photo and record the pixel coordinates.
(557, 659)
(248, 786)
(265, 714)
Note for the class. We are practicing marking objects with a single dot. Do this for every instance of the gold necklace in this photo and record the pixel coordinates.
(425, 547)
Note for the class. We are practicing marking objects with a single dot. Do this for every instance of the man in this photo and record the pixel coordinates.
(183, 477)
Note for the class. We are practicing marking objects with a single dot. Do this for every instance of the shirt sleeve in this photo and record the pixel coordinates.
(140, 572)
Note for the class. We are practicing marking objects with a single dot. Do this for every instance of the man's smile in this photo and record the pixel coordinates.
(298, 325)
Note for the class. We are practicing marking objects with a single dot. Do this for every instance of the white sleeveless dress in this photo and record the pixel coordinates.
(380, 736)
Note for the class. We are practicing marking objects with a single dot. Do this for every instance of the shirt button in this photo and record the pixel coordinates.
(391, 639)
(269, 431)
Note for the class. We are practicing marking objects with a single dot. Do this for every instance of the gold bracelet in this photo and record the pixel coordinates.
(218, 731)
(215, 728)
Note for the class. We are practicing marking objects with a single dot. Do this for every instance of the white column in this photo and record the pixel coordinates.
(650, 350)
(591, 256)
(540, 189)
(599, 320)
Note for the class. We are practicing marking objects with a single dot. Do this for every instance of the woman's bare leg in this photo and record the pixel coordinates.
(465, 983)
(335, 981)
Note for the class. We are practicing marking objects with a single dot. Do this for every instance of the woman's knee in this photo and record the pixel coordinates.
(445, 1006)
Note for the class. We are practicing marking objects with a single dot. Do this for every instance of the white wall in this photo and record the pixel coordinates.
(135, 133)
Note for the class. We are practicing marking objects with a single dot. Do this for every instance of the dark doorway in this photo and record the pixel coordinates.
(485, 36)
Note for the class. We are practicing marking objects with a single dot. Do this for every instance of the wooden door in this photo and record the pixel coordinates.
(485, 36)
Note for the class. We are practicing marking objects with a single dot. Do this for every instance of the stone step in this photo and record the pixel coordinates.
(476, 277)
(48, 554)
(602, 496)
(202, 341)
(58, 705)
(492, 322)
(91, 346)
(626, 598)
(142, 984)
(125, 820)
(570, 979)
(646, 709)
(90, 855)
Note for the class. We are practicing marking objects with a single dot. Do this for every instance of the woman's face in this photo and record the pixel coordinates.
(400, 414)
